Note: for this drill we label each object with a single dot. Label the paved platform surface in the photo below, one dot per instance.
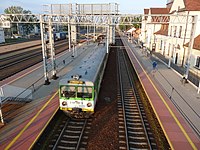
(176, 104)
(13, 47)
(22, 128)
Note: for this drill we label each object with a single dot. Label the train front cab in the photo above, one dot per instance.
(77, 98)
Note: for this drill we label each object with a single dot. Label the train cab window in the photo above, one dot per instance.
(68, 91)
(84, 92)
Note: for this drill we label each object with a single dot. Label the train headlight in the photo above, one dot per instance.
(89, 104)
(64, 103)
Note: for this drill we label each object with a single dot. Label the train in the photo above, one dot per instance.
(79, 88)
(57, 36)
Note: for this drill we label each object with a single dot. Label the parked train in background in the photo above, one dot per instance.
(57, 36)
(60, 35)
(79, 89)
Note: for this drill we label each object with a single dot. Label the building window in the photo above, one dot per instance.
(197, 62)
(175, 28)
(180, 30)
(171, 31)
(161, 42)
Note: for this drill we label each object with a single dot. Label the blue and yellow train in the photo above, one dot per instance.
(78, 90)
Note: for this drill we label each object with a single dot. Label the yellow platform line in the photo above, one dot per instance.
(43, 129)
(169, 109)
(30, 122)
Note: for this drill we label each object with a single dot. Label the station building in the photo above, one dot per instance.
(172, 39)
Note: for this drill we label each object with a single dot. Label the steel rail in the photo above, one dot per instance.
(139, 108)
(122, 99)
(57, 141)
(129, 106)
(19, 60)
(75, 126)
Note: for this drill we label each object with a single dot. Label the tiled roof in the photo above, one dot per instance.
(196, 44)
(192, 5)
(146, 11)
(159, 10)
(163, 30)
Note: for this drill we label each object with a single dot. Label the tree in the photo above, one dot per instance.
(26, 27)
(137, 21)
(14, 10)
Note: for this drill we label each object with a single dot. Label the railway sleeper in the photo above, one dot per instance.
(136, 133)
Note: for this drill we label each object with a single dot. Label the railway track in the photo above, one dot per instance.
(65, 133)
(13, 60)
(134, 130)
(71, 135)
(11, 64)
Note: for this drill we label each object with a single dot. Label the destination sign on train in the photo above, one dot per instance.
(76, 82)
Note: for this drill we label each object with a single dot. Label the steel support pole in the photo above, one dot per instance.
(51, 42)
(69, 34)
(170, 59)
(107, 43)
(44, 53)
(87, 34)
(73, 51)
(191, 42)
(1, 114)
(94, 32)
(113, 34)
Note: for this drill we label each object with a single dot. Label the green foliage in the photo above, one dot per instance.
(65, 27)
(137, 21)
(127, 25)
(26, 27)
(14, 10)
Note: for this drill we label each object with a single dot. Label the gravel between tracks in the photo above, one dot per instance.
(104, 131)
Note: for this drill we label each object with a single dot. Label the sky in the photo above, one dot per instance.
(125, 6)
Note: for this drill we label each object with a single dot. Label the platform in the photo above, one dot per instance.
(23, 127)
(176, 105)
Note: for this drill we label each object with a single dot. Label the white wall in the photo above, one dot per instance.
(2, 37)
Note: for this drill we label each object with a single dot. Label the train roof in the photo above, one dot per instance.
(89, 66)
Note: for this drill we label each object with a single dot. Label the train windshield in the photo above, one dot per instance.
(68, 91)
(76, 91)
(84, 92)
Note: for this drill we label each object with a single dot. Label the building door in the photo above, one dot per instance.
(176, 58)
